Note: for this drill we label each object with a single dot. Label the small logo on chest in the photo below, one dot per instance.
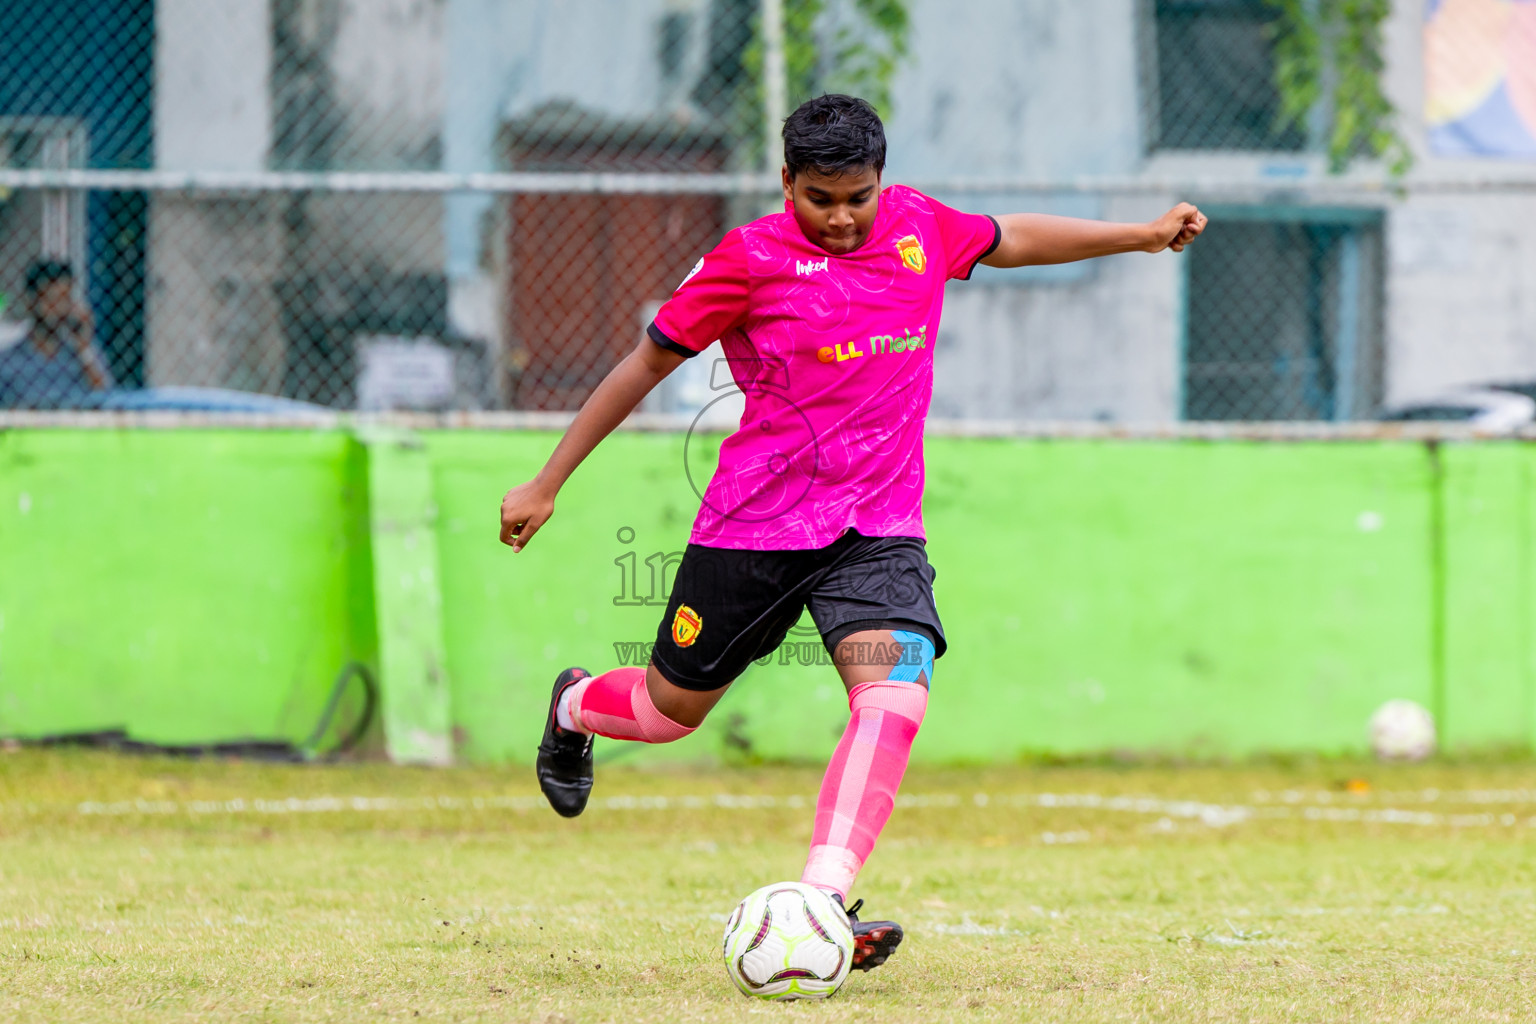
(912, 255)
(805, 268)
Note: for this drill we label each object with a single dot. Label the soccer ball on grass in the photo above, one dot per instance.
(788, 941)
(1402, 731)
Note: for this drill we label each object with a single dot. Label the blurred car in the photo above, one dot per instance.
(190, 399)
(1493, 407)
(185, 399)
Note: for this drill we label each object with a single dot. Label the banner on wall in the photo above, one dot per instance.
(1480, 77)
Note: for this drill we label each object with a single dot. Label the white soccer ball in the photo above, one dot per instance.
(1402, 731)
(788, 941)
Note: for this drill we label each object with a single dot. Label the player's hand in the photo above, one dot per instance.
(523, 511)
(1177, 228)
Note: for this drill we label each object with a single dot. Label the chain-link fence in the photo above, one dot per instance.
(478, 204)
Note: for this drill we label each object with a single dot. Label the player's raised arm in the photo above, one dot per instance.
(528, 506)
(1033, 239)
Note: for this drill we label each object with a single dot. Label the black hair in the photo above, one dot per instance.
(45, 272)
(834, 134)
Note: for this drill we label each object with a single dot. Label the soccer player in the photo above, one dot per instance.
(829, 314)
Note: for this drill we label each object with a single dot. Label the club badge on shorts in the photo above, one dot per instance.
(912, 255)
(687, 624)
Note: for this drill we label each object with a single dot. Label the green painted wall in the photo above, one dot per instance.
(187, 586)
(1202, 598)
(1490, 680)
(1185, 596)
(416, 706)
(1206, 598)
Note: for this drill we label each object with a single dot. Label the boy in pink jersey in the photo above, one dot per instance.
(828, 314)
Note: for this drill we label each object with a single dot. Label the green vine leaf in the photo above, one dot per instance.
(849, 46)
(1328, 66)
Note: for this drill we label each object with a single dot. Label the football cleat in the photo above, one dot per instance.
(565, 758)
(873, 941)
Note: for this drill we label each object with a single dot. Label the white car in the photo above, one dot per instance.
(1486, 408)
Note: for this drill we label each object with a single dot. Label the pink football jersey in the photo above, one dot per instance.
(834, 354)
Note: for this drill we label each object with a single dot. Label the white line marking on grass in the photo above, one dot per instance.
(1053, 838)
(1164, 810)
(1214, 815)
(1430, 795)
(314, 805)
(969, 927)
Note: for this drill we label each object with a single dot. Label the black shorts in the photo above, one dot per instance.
(730, 607)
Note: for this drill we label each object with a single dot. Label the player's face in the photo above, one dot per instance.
(835, 211)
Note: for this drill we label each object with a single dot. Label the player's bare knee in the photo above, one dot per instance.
(684, 707)
(895, 656)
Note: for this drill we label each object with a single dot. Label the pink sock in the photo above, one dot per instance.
(860, 786)
(616, 704)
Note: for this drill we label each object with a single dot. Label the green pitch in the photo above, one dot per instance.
(135, 889)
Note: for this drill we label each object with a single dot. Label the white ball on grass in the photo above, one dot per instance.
(1402, 730)
(788, 940)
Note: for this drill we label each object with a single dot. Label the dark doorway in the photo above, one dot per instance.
(1284, 317)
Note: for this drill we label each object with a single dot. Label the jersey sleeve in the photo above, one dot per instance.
(969, 238)
(711, 300)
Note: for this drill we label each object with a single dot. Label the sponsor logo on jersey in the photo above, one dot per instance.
(879, 345)
(687, 624)
(805, 268)
(696, 268)
(912, 255)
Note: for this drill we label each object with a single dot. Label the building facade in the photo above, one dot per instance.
(1314, 296)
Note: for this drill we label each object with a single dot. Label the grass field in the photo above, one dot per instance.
(156, 890)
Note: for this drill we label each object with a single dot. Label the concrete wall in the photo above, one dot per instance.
(1040, 90)
(1031, 88)
(225, 91)
(1461, 292)
(211, 317)
(213, 109)
(388, 63)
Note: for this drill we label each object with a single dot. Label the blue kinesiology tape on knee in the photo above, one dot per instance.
(917, 659)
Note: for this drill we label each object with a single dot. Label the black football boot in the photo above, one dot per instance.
(873, 941)
(565, 758)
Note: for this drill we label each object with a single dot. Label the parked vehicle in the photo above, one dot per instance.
(1491, 407)
(189, 399)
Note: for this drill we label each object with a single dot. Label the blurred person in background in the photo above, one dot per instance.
(56, 365)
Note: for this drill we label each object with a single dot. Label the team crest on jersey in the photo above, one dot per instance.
(687, 624)
(912, 254)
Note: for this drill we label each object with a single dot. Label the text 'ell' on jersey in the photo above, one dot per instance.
(834, 354)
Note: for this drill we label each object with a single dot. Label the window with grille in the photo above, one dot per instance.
(1284, 317)
(1213, 85)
